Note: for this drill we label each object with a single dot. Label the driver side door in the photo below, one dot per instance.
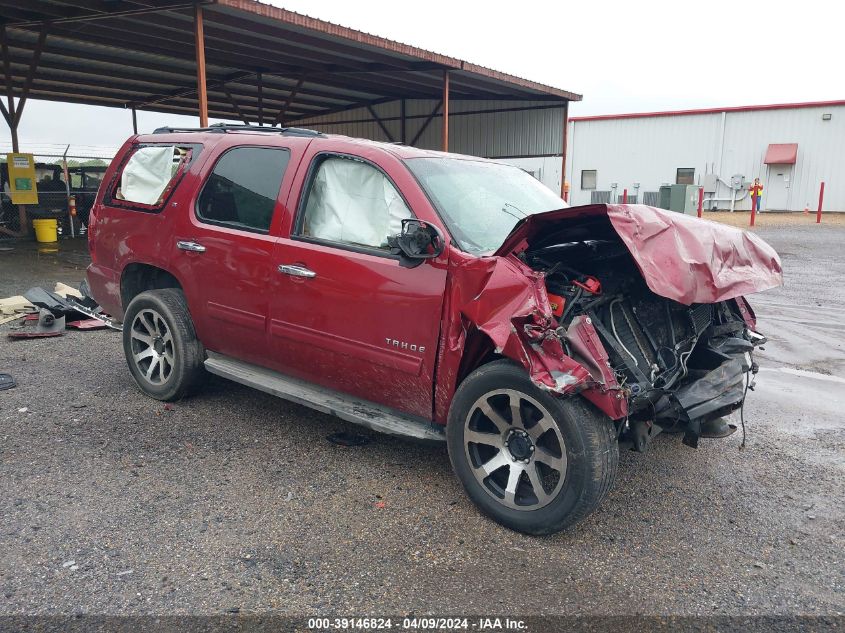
(345, 314)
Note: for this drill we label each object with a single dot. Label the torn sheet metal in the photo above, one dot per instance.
(507, 301)
(84, 306)
(681, 257)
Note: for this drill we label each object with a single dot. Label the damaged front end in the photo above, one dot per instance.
(639, 310)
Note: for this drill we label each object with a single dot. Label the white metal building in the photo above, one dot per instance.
(792, 148)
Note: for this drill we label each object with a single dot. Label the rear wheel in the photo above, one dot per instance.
(161, 345)
(534, 462)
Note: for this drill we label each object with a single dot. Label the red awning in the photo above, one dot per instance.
(781, 154)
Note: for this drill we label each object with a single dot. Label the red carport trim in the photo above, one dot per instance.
(750, 108)
(341, 32)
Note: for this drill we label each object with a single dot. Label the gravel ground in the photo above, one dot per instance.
(112, 503)
(770, 219)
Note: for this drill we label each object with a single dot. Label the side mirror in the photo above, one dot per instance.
(417, 242)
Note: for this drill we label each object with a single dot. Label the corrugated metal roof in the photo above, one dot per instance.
(140, 53)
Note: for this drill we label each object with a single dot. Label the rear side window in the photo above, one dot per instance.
(148, 176)
(242, 189)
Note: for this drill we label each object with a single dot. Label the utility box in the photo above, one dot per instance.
(709, 182)
(664, 195)
(684, 199)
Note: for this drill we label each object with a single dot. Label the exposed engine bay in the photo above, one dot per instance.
(682, 368)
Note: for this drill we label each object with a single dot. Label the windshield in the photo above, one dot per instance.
(481, 201)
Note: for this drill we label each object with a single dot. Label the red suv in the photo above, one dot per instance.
(428, 295)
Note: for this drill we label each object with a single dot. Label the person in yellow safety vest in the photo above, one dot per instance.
(756, 195)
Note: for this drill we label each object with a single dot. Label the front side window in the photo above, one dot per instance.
(481, 201)
(352, 202)
(242, 189)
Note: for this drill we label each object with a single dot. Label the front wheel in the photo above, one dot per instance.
(534, 462)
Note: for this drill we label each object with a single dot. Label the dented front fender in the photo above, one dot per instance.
(507, 301)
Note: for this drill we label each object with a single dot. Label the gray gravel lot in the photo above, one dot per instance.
(235, 500)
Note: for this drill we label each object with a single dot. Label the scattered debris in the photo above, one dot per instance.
(63, 290)
(87, 324)
(7, 382)
(14, 308)
(64, 301)
(11, 317)
(69, 563)
(380, 505)
(23, 409)
(10, 305)
(125, 572)
(47, 324)
(44, 299)
(346, 438)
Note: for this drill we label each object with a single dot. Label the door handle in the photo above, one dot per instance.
(192, 247)
(295, 270)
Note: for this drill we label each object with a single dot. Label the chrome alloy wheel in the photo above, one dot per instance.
(152, 346)
(515, 449)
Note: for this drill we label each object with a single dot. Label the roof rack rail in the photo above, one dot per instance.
(222, 128)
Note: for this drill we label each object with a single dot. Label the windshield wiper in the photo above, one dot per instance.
(513, 206)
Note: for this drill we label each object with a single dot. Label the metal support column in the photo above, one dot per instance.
(445, 127)
(199, 42)
(134, 121)
(402, 132)
(563, 192)
(260, 84)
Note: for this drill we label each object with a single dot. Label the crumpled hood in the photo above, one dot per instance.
(681, 257)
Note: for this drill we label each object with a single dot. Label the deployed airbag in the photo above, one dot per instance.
(352, 201)
(147, 174)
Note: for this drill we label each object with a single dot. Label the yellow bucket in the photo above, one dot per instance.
(46, 230)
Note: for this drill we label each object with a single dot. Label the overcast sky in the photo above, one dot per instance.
(622, 56)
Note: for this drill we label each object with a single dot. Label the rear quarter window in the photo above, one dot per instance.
(148, 175)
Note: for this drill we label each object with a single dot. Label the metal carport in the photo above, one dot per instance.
(235, 59)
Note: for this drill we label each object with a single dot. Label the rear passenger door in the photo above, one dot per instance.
(223, 246)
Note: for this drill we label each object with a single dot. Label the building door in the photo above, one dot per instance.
(776, 190)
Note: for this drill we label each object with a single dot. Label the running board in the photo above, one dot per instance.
(368, 414)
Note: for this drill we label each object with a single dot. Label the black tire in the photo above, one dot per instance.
(162, 317)
(587, 453)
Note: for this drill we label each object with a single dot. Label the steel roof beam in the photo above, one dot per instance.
(59, 18)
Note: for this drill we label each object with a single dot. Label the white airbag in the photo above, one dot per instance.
(147, 174)
(353, 202)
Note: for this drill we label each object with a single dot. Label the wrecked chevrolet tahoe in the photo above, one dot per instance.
(431, 296)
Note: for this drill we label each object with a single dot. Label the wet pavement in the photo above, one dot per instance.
(113, 503)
